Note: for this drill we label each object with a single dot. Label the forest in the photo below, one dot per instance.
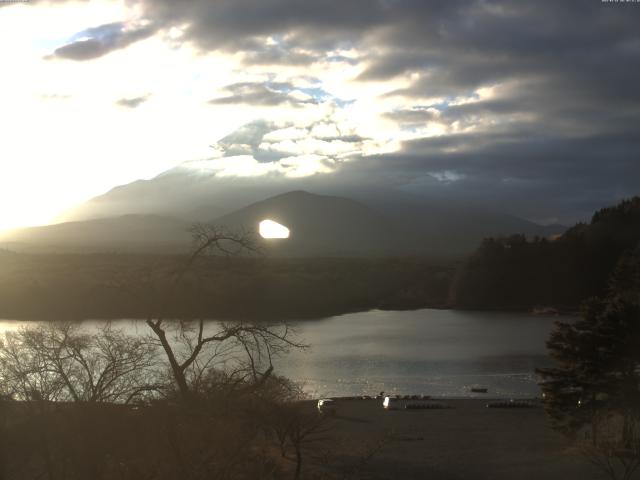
(110, 286)
(521, 274)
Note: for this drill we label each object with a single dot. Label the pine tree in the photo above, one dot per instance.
(598, 359)
(595, 387)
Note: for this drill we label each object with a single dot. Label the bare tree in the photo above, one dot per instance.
(617, 449)
(193, 348)
(244, 351)
(24, 372)
(60, 362)
(305, 429)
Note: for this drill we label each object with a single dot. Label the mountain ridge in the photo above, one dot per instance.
(322, 225)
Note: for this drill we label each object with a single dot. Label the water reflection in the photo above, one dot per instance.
(435, 352)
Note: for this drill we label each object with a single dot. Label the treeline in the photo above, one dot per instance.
(107, 286)
(516, 273)
(592, 392)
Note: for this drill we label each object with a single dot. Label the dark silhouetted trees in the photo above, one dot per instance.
(514, 272)
(73, 286)
(61, 362)
(596, 383)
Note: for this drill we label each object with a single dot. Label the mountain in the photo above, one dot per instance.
(452, 228)
(381, 224)
(202, 190)
(176, 193)
(321, 225)
(132, 233)
(427, 224)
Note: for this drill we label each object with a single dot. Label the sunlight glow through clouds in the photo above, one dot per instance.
(102, 93)
(66, 137)
(65, 140)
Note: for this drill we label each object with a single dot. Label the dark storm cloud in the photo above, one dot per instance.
(234, 25)
(455, 46)
(134, 102)
(98, 41)
(522, 170)
(259, 94)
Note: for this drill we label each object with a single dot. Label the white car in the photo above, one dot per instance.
(327, 405)
(390, 403)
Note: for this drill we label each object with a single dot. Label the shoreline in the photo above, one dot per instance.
(431, 398)
(464, 441)
(296, 318)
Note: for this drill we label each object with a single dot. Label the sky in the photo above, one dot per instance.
(529, 107)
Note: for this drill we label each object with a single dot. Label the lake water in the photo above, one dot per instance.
(436, 352)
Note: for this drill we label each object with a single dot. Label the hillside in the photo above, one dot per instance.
(423, 225)
(321, 226)
(513, 272)
(386, 223)
(131, 233)
(452, 228)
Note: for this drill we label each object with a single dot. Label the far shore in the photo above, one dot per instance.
(292, 316)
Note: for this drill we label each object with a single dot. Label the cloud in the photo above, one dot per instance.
(558, 53)
(269, 142)
(133, 102)
(522, 105)
(524, 171)
(242, 24)
(412, 116)
(98, 41)
(262, 94)
(246, 141)
(279, 55)
(54, 96)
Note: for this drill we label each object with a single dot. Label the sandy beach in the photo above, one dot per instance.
(465, 441)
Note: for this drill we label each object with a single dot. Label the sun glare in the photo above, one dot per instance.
(271, 229)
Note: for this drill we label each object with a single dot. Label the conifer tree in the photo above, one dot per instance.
(595, 387)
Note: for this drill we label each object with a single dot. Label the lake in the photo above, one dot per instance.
(442, 353)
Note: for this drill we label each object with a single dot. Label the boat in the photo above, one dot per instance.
(511, 403)
(541, 310)
(412, 402)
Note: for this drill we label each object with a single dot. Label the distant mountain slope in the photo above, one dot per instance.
(428, 225)
(321, 226)
(140, 233)
(379, 223)
(180, 192)
(452, 228)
